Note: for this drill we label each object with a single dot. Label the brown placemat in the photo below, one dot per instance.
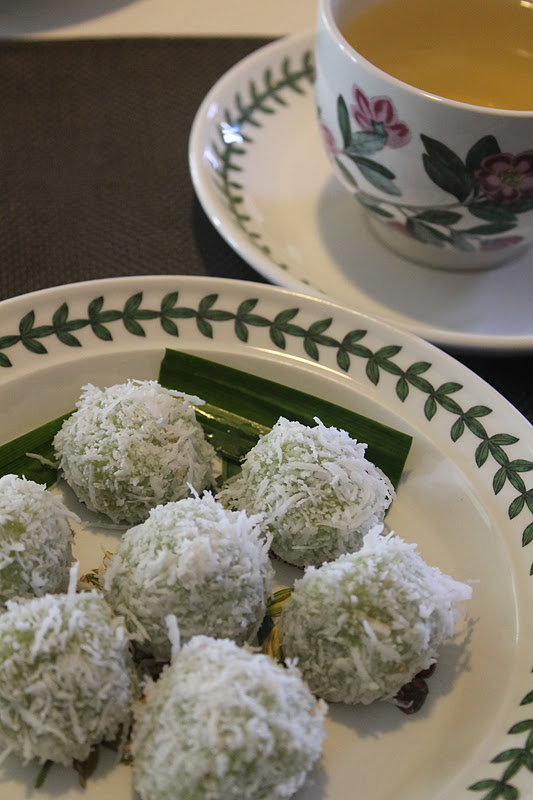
(93, 153)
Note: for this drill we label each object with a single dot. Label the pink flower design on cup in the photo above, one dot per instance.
(505, 177)
(398, 226)
(379, 112)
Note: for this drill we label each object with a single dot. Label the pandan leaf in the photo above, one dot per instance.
(14, 456)
(241, 406)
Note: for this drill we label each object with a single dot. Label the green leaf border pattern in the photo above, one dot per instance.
(491, 449)
(234, 135)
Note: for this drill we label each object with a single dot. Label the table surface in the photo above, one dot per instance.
(75, 18)
(212, 35)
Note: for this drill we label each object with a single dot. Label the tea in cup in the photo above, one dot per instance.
(426, 112)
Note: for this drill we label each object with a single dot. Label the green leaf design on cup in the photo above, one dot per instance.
(484, 147)
(446, 169)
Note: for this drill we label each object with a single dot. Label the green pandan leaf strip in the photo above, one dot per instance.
(248, 405)
(14, 456)
(231, 434)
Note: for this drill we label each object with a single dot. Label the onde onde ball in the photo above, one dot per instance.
(365, 624)
(316, 490)
(131, 446)
(224, 723)
(66, 678)
(193, 558)
(35, 540)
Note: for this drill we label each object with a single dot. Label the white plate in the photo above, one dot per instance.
(463, 498)
(260, 173)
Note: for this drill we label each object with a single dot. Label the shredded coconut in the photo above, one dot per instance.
(198, 561)
(318, 493)
(223, 723)
(66, 678)
(35, 539)
(133, 446)
(365, 624)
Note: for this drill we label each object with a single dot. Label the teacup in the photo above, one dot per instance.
(443, 183)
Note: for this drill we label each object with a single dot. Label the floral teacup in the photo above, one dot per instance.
(444, 183)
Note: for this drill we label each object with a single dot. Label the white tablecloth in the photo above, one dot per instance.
(95, 18)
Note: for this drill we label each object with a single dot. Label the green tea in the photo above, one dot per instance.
(474, 51)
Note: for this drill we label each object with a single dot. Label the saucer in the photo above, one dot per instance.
(261, 174)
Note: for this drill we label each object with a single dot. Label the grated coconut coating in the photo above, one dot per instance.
(318, 493)
(193, 558)
(66, 680)
(223, 723)
(35, 540)
(365, 624)
(131, 446)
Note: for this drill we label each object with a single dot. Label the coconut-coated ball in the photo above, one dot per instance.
(131, 446)
(224, 723)
(365, 624)
(66, 676)
(197, 560)
(317, 491)
(35, 539)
